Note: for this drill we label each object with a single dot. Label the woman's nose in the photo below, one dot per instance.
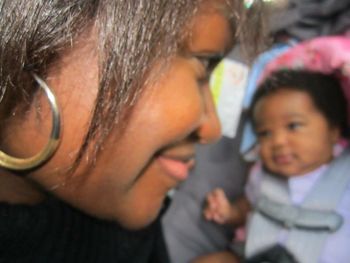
(209, 129)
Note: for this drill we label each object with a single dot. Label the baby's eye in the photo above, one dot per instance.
(262, 134)
(292, 126)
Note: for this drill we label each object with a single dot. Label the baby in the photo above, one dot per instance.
(299, 198)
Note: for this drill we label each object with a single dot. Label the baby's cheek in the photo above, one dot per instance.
(267, 160)
(263, 153)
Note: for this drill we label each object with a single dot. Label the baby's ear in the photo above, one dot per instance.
(335, 134)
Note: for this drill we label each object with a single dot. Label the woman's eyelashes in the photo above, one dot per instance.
(208, 64)
(203, 79)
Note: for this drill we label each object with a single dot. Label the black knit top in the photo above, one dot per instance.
(55, 232)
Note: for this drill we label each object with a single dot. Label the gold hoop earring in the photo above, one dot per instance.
(20, 164)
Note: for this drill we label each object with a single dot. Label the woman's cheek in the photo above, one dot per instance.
(188, 105)
(176, 105)
(186, 116)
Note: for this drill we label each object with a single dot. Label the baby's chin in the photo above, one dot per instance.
(289, 173)
(286, 172)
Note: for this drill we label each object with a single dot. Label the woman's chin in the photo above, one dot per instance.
(139, 217)
(136, 223)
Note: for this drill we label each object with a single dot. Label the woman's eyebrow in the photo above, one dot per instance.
(209, 54)
(209, 60)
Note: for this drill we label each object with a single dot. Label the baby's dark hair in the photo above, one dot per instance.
(324, 90)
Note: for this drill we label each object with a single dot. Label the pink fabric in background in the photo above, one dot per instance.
(329, 55)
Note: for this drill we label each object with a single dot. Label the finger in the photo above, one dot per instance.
(218, 218)
(208, 215)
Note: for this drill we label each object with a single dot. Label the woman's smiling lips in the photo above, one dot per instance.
(177, 167)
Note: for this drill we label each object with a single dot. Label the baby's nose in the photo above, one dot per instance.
(279, 138)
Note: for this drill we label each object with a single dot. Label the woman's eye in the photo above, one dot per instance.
(203, 80)
(210, 62)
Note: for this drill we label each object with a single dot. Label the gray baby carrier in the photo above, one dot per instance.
(307, 225)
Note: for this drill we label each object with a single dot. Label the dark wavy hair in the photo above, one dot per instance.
(131, 34)
(324, 90)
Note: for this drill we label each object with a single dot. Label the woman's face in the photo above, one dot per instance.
(136, 168)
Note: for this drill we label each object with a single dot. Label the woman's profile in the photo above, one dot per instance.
(101, 105)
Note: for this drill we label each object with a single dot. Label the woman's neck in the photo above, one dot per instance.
(19, 190)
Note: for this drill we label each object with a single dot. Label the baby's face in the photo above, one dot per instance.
(295, 138)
